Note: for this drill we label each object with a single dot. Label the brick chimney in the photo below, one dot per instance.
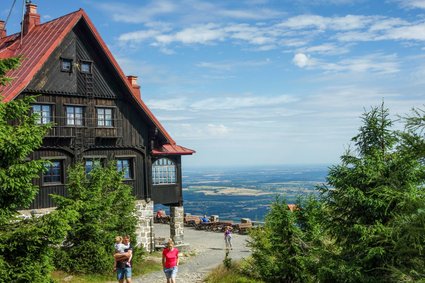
(31, 18)
(2, 29)
(136, 88)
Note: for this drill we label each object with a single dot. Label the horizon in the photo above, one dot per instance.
(261, 81)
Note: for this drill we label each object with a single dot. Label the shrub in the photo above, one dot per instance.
(105, 208)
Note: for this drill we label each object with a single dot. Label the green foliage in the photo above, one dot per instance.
(20, 135)
(25, 245)
(227, 262)
(369, 223)
(374, 207)
(234, 274)
(277, 248)
(106, 208)
(7, 65)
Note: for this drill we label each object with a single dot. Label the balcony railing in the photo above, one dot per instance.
(85, 128)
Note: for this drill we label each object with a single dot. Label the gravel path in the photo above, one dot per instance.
(208, 250)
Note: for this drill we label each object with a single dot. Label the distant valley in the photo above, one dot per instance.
(234, 193)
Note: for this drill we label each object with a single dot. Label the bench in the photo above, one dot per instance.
(242, 228)
(191, 220)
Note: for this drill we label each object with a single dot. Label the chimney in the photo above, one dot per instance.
(2, 29)
(31, 18)
(136, 88)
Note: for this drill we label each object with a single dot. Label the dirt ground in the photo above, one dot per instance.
(206, 251)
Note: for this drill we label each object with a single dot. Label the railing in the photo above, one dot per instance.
(85, 128)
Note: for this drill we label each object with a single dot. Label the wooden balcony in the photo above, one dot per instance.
(86, 128)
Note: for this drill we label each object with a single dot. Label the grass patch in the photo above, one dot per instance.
(150, 264)
(221, 274)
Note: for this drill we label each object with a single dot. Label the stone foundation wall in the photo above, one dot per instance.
(177, 224)
(35, 212)
(144, 228)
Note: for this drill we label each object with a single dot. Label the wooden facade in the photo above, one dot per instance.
(92, 82)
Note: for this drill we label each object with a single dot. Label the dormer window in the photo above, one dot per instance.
(66, 65)
(85, 67)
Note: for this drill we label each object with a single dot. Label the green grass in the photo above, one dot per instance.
(233, 275)
(151, 264)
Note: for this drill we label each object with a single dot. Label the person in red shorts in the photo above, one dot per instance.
(170, 261)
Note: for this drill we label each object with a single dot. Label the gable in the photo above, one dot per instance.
(77, 47)
(43, 40)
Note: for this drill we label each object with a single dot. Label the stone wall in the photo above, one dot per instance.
(177, 224)
(144, 228)
(28, 213)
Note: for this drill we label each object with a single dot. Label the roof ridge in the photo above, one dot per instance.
(61, 17)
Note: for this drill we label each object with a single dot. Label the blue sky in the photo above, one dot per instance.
(262, 81)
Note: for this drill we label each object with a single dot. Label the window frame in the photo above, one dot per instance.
(66, 60)
(50, 167)
(161, 173)
(41, 118)
(104, 120)
(94, 163)
(74, 118)
(130, 167)
(89, 64)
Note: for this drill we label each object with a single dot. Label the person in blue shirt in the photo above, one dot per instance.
(205, 219)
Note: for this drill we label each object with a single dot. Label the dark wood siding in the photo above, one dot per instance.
(130, 135)
(43, 199)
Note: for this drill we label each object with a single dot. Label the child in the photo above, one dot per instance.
(120, 251)
(228, 237)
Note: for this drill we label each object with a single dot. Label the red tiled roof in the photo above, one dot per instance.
(37, 46)
(170, 149)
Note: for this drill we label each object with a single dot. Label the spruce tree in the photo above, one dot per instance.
(106, 208)
(26, 246)
(374, 207)
(277, 248)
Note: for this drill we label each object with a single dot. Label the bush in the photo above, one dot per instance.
(106, 208)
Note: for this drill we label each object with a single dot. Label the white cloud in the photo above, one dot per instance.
(412, 4)
(217, 130)
(228, 103)
(172, 104)
(349, 22)
(137, 14)
(413, 32)
(259, 14)
(301, 60)
(231, 65)
(374, 63)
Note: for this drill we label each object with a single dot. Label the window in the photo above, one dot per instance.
(53, 173)
(44, 113)
(74, 115)
(90, 164)
(66, 65)
(125, 166)
(163, 172)
(85, 67)
(104, 117)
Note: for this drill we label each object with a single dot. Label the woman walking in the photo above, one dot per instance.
(228, 237)
(170, 261)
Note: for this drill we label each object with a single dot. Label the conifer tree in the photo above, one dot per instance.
(106, 208)
(374, 207)
(25, 245)
(277, 248)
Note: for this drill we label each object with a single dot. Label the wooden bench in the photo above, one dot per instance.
(191, 220)
(219, 226)
(242, 228)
